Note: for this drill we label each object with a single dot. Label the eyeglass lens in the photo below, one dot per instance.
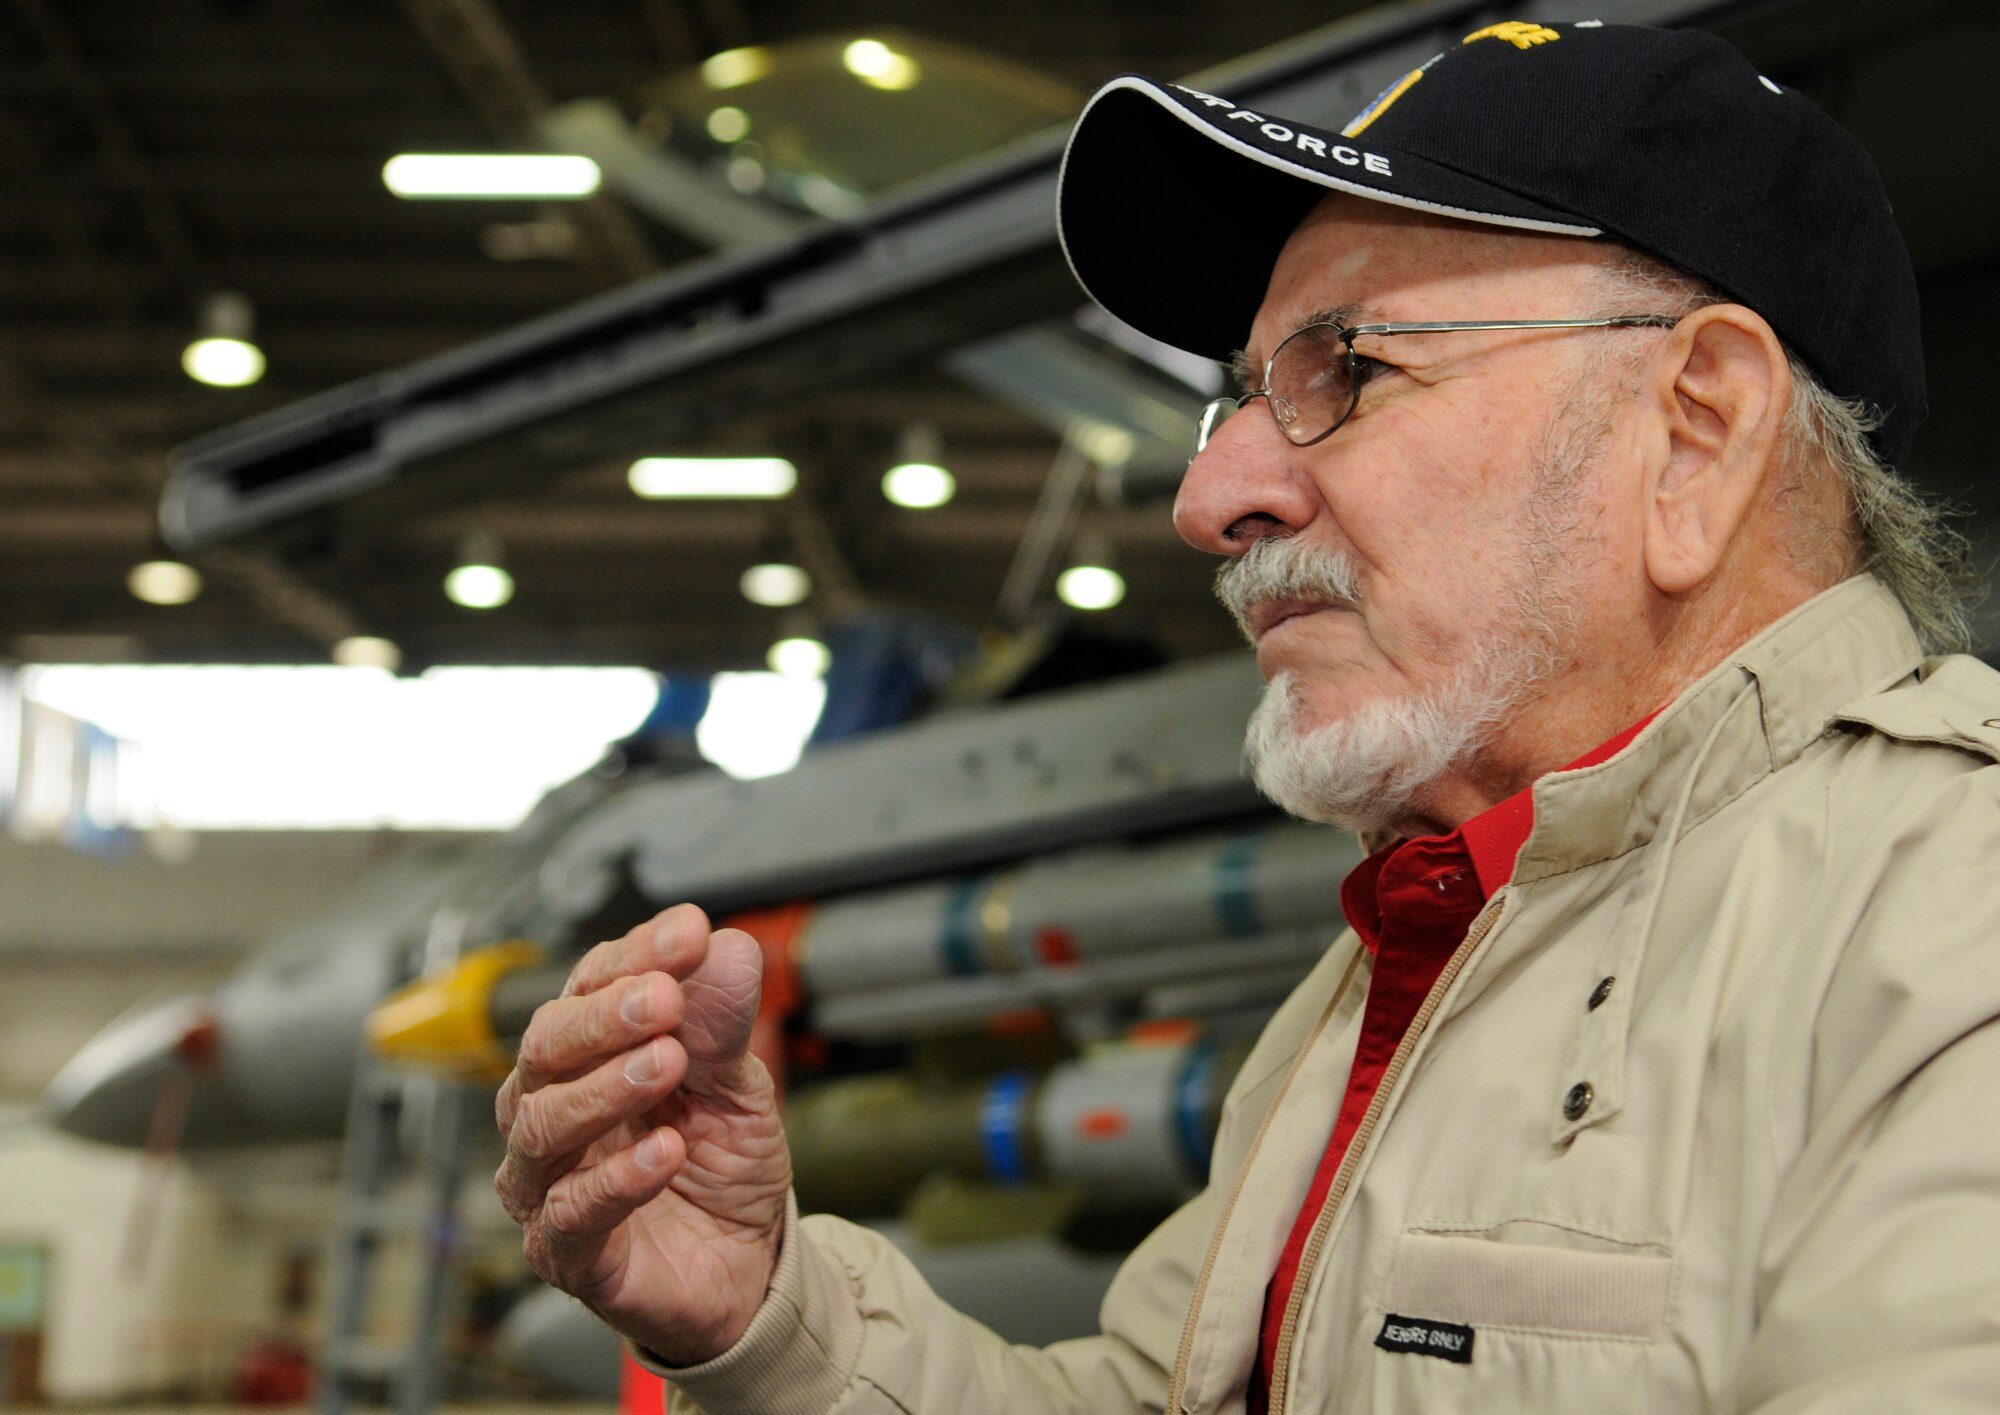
(1311, 388)
(1312, 385)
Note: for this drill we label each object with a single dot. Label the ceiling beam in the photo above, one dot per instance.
(92, 445)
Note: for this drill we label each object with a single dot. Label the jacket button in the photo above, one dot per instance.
(1578, 1100)
(1599, 993)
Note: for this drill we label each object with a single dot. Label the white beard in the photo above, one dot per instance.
(1377, 764)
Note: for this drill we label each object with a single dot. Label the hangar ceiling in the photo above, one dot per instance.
(161, 150)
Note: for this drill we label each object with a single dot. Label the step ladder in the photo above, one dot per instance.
(399, 1126)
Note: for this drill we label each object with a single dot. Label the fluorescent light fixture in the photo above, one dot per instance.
(479, 586)
(223, 363)
(223, 354)
(164, 582)
(879, 66)
(218, 748)
(776, 586)
(921, 486)
(729, 124)
(473, 175)
(757, 723)
(1090, 587)
(800, 658)
(765, 477)
(367, 651)
(733, 68)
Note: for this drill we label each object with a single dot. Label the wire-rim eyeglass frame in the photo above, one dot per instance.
(1288, 416)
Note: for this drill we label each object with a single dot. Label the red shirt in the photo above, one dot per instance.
(1411, 903)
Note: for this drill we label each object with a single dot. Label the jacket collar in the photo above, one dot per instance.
(1780, 691)
(1755, 712)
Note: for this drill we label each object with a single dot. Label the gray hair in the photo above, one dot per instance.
(1906, 539)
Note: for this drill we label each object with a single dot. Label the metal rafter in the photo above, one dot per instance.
(109, 469)
(486, 62)
(109, 465)
(116, 145)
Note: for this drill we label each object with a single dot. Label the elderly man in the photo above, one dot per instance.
(1657, 1072)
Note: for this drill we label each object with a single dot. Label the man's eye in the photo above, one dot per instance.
(1366, 368)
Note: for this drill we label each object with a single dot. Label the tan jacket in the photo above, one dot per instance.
(1763, 1173)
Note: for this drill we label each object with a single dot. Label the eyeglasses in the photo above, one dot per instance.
(1313, 379)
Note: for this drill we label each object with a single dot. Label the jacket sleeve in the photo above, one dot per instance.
(850, 1327)
(1879, 1277)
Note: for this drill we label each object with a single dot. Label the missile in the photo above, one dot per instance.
(942, 956)
(1094, 904)
(1127, 1126)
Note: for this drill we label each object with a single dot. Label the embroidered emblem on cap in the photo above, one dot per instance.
(1418, 1336)
(1522, 34)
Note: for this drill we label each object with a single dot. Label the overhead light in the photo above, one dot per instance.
(1090, 587)
(478, 582)
(222, 354)
(766, 477)
(800, 657)
(475, 175)
(164, 582)
(879, 66)
(479, 586)
(776, 585)
(367, 651)
(919, 479)
(733, 68)
(1090, 583)
(729, 124)
(920, 486)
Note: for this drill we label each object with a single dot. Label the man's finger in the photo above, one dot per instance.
(557, 1124)
(570, 1035)
(672, 942)
(589, 1202)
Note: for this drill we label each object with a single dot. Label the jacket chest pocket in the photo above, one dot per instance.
(1468, 1322)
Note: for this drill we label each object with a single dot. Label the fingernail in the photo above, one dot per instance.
(651, 1153)
(636, 1006)
(644, 1064)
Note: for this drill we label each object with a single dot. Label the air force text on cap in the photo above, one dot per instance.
(1278, 132)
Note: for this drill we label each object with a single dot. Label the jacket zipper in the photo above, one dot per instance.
(1281, 1369)
(1178, 1389)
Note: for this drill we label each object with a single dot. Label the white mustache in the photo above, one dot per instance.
(1284, 567)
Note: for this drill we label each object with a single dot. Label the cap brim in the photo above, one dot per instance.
(1173, 205)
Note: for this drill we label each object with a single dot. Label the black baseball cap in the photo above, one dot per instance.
(1175, 203)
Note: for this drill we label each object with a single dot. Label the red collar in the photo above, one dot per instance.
(1467, 866)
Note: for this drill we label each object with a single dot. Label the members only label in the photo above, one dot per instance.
(1419, 1337)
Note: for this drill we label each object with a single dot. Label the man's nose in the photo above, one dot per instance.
(1248, 483)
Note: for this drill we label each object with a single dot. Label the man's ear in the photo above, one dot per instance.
(1721, 383)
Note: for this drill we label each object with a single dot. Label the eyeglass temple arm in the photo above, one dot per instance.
(1650, 321)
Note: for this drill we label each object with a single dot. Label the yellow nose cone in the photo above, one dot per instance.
(444, 1023)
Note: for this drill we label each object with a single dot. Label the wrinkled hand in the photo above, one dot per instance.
(645, 1160)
